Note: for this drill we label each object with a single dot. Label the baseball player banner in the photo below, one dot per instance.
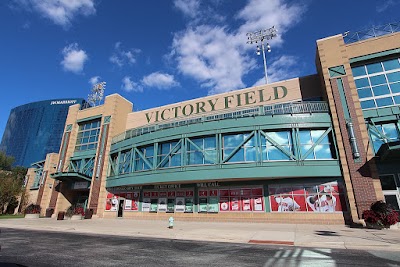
(324, 197)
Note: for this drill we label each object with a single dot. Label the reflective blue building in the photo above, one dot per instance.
(35, 129)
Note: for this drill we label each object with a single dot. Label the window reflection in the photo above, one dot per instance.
(384, 133)
(88, 135)
(384, 80)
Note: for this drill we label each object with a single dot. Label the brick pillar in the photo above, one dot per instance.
(41, 187)
(54, 195)
(362, 172)
(40, 194)
(98, 170)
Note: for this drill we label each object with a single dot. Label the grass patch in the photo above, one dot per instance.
(11, 216)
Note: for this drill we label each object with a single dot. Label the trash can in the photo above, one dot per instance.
(49, 212)
(89, 214)
(60, 215)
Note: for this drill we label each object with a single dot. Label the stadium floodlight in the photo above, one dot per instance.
(97, 94)
(261, 36)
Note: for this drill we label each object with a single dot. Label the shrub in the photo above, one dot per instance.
(32, 209)
(75, 210)
(381, 214)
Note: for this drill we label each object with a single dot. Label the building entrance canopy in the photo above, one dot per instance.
(70, 177)
(389, 151)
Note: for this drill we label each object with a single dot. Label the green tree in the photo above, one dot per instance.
(11, 183)
(11, 186)
(5, 162)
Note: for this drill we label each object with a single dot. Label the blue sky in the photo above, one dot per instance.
(157, 52)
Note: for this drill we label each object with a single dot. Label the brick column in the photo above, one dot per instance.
(361, 170)
(98, 170)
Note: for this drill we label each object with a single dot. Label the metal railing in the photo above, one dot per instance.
(270, 110)
(375, 31)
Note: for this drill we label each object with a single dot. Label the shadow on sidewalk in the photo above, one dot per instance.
(327, 233)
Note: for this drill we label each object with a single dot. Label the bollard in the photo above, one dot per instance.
(171, 222)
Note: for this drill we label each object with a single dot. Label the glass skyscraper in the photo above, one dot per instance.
(35, 129)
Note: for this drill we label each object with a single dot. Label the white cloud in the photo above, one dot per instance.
(217, 57)
(74, 58)
(130, 86)
(159, 80)
(211, 56)
(61, 12)
(121, 57)
(197, 10)
(258, 15)
(188, 7)
(385, 5)
(94, 80)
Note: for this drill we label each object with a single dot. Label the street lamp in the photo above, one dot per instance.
(260, 36)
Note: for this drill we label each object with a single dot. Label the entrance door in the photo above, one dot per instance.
(120, 207)
(390, 184)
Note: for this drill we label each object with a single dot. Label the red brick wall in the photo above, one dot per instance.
(96, 182)
(362, 172)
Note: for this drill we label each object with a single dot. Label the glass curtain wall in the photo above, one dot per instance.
(378, 83)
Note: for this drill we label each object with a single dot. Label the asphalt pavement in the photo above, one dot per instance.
(299, 235)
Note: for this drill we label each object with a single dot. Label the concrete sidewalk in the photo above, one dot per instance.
(321, 236)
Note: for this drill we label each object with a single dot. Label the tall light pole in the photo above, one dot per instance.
(97, 93)
(261, 36)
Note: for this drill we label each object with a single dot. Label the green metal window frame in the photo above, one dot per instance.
(84, 166)
(208, 154)
(376, 96)
(88, 135)
(38, 179)
(377, 133)
(126, 160)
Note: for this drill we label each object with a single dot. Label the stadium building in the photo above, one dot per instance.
(314, 149)
(35, 129)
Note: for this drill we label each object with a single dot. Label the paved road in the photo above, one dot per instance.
(39, 248)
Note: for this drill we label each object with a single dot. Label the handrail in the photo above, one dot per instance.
(375, 31)
(268, 110)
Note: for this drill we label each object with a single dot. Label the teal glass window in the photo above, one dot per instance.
(391, 131)
(395, 87)
(359, 71)
(377, 141)
(148, 154)
(246, 152)
(363, 82)
(388, 132)
(125, 162)
(384, 102)
(396, 99)
(393, 77)
(384, 80)
(113, 161)
(169, 154)
(202, 151)
(391, 64)
(367, 104)
(374, 68)
(283, 141)
(84, 166)
(378, 79)
(38, 176)
(381, 90)
(365, 92)
(88, 135)
(308, 138)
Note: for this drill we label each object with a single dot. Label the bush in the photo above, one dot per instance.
(75, 210)
(32, 209)
(381, 214)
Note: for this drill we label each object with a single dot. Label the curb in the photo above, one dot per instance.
(271, 242)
